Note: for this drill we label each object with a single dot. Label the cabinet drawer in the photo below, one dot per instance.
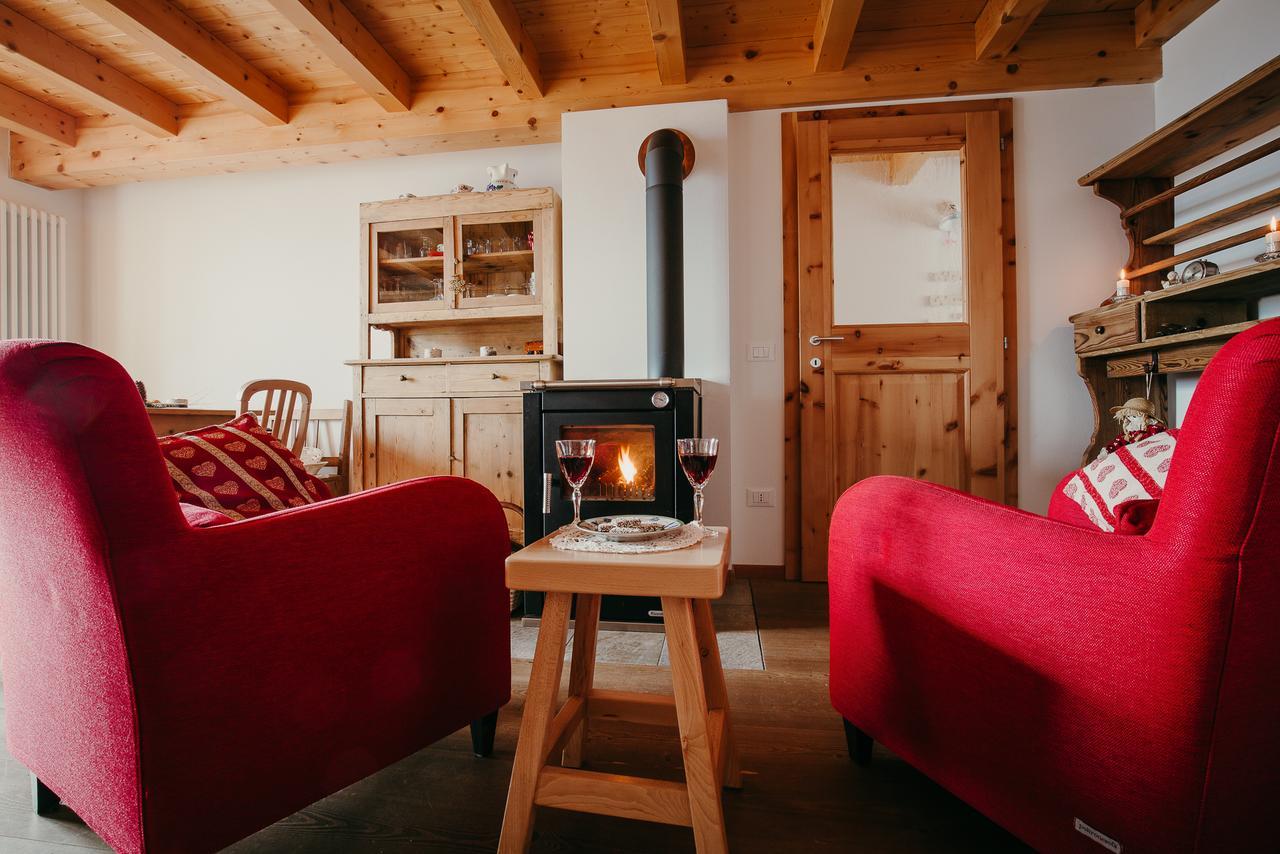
(406, 381)
(499, 376)
(1109, 327)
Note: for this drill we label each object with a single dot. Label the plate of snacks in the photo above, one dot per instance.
(631, 527)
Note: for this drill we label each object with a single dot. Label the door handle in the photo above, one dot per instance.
(815, 340)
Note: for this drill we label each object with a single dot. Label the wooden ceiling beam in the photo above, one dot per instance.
(471, 110)
(1001, 23)
(30, 46)
(498, 24)
(1157, 21)
(667, 29)
(163, 28)
(344, 40)
(24, 115)
(837, 20)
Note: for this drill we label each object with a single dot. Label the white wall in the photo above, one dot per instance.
(1218, 48)
(605, 329)
(199, 284)
(65, 203)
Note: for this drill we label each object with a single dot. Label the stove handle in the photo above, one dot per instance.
(546, 494)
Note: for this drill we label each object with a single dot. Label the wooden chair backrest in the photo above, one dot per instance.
(286, 396)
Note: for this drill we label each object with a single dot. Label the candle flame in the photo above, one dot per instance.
(626, 467)
(1273, 223)
(1124, 274)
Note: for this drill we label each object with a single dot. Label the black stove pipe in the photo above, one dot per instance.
(664, 261)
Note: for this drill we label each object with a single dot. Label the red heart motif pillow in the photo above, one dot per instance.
(238, 469)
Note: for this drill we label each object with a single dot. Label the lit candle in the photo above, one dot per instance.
(1122, 286)
(1273, 238)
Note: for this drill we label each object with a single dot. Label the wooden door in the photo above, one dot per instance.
(487, 444)
(901, 308)
(405, 438)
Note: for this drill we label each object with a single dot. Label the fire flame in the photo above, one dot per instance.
(626, 467)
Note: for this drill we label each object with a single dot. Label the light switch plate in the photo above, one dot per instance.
(759, 497)
(760, 353)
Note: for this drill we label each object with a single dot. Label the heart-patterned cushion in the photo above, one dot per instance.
(1121, 491)
(238, 469)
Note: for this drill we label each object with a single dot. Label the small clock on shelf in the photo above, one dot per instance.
(1193, 272)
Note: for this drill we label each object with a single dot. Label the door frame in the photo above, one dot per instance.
(793, 382)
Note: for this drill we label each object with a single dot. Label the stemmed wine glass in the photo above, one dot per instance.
(698, 459)
(576, 457)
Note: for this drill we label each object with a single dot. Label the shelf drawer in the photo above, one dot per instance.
(1108, 327)
(499, 376)
(406, 381)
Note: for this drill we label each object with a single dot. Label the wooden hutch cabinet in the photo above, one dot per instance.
(442, 277)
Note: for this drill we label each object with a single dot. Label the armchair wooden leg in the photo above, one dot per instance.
(859, 744)
(483, 731)
(43, 800)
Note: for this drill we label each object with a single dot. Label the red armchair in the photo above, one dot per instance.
(1048, 674)
(180, 688)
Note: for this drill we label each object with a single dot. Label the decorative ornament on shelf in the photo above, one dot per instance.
(1273, 245)
(501, 177)
(1137, 420)
(462, 188)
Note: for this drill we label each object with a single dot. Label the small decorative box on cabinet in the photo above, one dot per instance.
(446, 279)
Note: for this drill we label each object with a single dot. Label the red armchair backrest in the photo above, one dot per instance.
(81, 481)
(1218, 486)
(1221, 514)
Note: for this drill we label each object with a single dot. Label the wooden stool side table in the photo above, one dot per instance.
(686, 581)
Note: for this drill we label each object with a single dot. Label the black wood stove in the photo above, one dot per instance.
(635, 424)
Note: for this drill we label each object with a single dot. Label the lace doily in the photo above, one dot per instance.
(573, 540)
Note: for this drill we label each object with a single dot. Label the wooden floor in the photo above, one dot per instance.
(800, 792)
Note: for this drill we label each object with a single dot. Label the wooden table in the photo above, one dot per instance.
(686, 580)
(167, 420)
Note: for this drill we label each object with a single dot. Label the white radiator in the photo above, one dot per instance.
(33, 273)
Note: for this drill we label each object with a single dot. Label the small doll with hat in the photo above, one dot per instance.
(1137, 420)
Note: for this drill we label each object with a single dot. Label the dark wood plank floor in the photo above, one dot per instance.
(801, 793)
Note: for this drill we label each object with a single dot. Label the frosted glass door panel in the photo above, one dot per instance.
(897, 238)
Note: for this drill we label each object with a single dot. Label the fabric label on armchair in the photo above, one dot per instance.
(1099, 837)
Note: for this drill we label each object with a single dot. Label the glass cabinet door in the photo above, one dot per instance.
(412, 265)
(497, 255)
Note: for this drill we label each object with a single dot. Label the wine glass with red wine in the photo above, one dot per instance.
(576, 457)
(698, 459)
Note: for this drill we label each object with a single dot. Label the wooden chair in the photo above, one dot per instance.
(339, 482)
(286, 395)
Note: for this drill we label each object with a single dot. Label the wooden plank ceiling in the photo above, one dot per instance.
(101, 92)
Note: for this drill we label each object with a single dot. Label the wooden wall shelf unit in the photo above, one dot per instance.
(1117, 345)
(495, 282)
(1141, 180)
